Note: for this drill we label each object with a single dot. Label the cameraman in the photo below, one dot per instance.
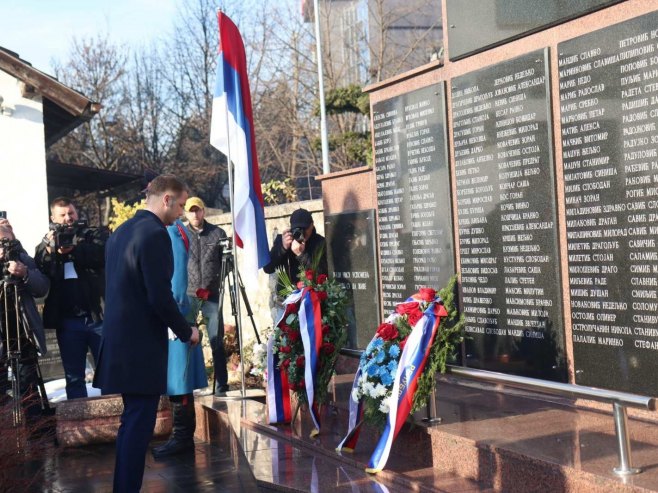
(296, 248)
(20, 271)
(74, 306)
(203, 271)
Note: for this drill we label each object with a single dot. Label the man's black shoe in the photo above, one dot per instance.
(221, 390)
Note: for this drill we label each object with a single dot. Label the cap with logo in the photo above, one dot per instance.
(194, 202)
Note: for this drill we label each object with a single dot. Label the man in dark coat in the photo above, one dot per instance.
(139, 308)
(297, 247)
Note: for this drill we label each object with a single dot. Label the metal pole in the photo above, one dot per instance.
(238, 314)
(623, 441)
(432, 419)
(323, 111)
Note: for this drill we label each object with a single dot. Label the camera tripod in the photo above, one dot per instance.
(227, 276)
(17, 337)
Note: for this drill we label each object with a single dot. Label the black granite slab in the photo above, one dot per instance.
(413, 193)
(507, 218)
(477, 25)
(608, 112)
(352, 256)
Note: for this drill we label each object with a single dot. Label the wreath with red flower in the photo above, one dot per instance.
(287, 336)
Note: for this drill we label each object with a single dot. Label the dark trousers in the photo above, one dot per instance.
(212, 311)
(74, 337)
(135, 433)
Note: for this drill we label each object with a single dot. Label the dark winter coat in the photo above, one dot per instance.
(88, 258)
(291, 263)
(204, 264)
(139, 308)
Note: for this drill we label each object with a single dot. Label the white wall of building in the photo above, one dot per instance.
(23, 186)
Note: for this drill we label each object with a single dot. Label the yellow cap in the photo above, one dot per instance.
(194, 202)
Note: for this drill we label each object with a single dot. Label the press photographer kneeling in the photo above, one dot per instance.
(21, 328)
(72, 256)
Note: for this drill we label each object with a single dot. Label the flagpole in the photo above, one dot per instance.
(236, 281)
(323, 112)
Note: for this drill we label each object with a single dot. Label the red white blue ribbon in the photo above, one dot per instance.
(410, 367)
(278, 393)
(310, 327)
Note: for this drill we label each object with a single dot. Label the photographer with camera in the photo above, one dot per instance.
(20, 279)
(72, 256)
(296, 247)
(207, 243)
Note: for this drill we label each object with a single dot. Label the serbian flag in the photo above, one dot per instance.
(232, 133)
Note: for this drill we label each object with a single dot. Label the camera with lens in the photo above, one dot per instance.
(298, 235)
(10, 250)
(67, 235)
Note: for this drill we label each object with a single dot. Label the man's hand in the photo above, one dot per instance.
(194, 338)
(50, 240)
(297, 247)
(287, 239)
(17, 269)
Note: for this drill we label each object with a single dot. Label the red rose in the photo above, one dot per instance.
(322, 278)
(293, 335)
(285, 328)
(402, 343)
(285, 364)
(300, 361)
(325, 329)
(322, 295)
(414, 317)
(427, 294)
(387, 331)
(328, 348)
(406, 308)
(203, 294)
(300, 285)
(284, 349)
(292, 308)
(310, 274)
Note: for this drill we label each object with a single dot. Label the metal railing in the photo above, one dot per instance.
(619, 400)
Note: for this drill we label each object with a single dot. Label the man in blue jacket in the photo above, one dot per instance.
(139, 306)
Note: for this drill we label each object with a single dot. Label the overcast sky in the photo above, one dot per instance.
(42, 30)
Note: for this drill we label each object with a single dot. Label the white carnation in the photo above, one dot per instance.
(356, 395)
(379, 391)
(384, 407)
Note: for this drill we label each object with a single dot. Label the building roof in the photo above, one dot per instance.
(87, 179)
(63, 107)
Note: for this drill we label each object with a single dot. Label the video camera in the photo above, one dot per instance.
(67, 235)
(9, 251)
(226, 245)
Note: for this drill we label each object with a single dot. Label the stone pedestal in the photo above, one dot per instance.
(96, 420)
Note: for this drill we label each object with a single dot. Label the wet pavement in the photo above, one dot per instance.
(90, 469)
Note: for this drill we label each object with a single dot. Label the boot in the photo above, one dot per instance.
(182, 435)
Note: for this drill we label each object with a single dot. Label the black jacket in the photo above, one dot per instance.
(291, 263)
(36, 286)
(88, 257)
(205, 260)
(140, 306)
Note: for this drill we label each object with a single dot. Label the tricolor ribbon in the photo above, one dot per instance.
(410, 367)
(310, 327)
(278, 392)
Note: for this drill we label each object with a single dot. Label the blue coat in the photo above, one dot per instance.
(139, 306)
(186, 370)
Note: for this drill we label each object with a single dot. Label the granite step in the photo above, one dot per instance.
(490, 439)
(284, 458)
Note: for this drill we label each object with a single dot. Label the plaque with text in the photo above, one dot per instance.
(413, 193)
(352, 257)
(477, 25)
(507, 219)
(609, 124)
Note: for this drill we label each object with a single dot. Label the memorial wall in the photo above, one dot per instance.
(413, 193)
(557, 252)
(506, 217)
(608, 82)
